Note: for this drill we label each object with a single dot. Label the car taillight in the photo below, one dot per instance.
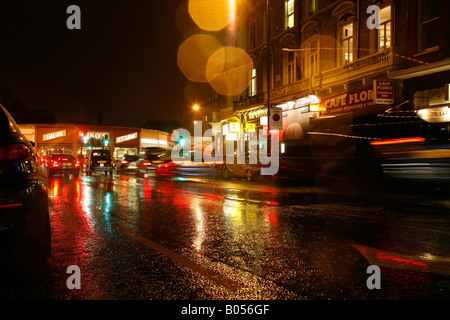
(14, 151)
(124, 162)
(77, 163)
(397, 141)
(55, 164)
(146, 163)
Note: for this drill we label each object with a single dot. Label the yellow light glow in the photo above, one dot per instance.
(228, 71)
(212, 15)
(193, 55)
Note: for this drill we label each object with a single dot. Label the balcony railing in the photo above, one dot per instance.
(291, 88)
(354, 69)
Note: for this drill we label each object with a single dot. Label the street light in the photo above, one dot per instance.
(195, 107)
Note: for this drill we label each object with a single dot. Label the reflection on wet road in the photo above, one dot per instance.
(136, 238)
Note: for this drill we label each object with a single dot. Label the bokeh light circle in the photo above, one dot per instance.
(212, 15)
(193, 55)
(228, 71)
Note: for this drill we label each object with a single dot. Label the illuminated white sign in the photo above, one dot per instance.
(225, 129)
(96, 135)
(127, 137)
(54, 135)
(234, 126)
(441, 114)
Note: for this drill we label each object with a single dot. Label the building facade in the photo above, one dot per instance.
(318, 59)
(77, 139)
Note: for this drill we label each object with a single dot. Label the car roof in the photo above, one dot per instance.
(9, 131)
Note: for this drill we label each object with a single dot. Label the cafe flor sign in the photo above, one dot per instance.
(347, 102)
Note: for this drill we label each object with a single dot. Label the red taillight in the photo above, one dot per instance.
(77, 163)
(14, 151)
(55, 164)
(146, 163)
(397, 141)
(11, 205)
(124, 161)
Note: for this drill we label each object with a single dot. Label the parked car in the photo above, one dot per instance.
(99, 161)
(65, 164)
(25, 233)
(128, 164)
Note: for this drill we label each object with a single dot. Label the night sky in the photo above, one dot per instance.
(123, 62)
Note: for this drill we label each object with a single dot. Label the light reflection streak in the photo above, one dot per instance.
(199, 223)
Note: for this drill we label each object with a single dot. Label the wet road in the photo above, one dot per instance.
(175, 239)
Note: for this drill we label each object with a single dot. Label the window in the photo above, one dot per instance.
(347, 43)
(252, 89)
(313, 63)
(384, 33)
(290, 72)
(428, 24)
(312, 6)
(289, 13)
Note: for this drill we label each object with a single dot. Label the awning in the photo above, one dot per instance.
(423, 70)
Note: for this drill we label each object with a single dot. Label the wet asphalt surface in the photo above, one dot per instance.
(136, 238)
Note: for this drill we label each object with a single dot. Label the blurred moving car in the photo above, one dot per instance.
(153, 158)
(99, 161)
(63, 164)
(128, 164)
(24, 215)
(418, 152)
(246, 171)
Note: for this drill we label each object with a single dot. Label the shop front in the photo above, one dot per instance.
(56, 139)
(155, 139)
(126, 142)
(93, 138)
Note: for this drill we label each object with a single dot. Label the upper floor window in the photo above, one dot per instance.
(252, 88)
(384, 39)
(290, 72)
(347, 43)
(428, 24)
(313, 59)
(289, 13)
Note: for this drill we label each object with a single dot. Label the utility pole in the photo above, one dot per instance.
(268, 77)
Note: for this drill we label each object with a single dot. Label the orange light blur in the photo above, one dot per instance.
(397, 141)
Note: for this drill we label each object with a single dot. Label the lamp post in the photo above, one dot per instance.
(268, 77)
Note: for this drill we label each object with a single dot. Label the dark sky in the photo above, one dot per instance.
(122, 62)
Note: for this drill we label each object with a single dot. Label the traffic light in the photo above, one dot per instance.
(105, 141)
(181, 141)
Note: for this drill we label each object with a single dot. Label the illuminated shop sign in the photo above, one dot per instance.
(441, 114)
(54, 135)
(233, 126)
(383, 91)
(127, 137)
(225, 130)
(347, 102)
(96, 135)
